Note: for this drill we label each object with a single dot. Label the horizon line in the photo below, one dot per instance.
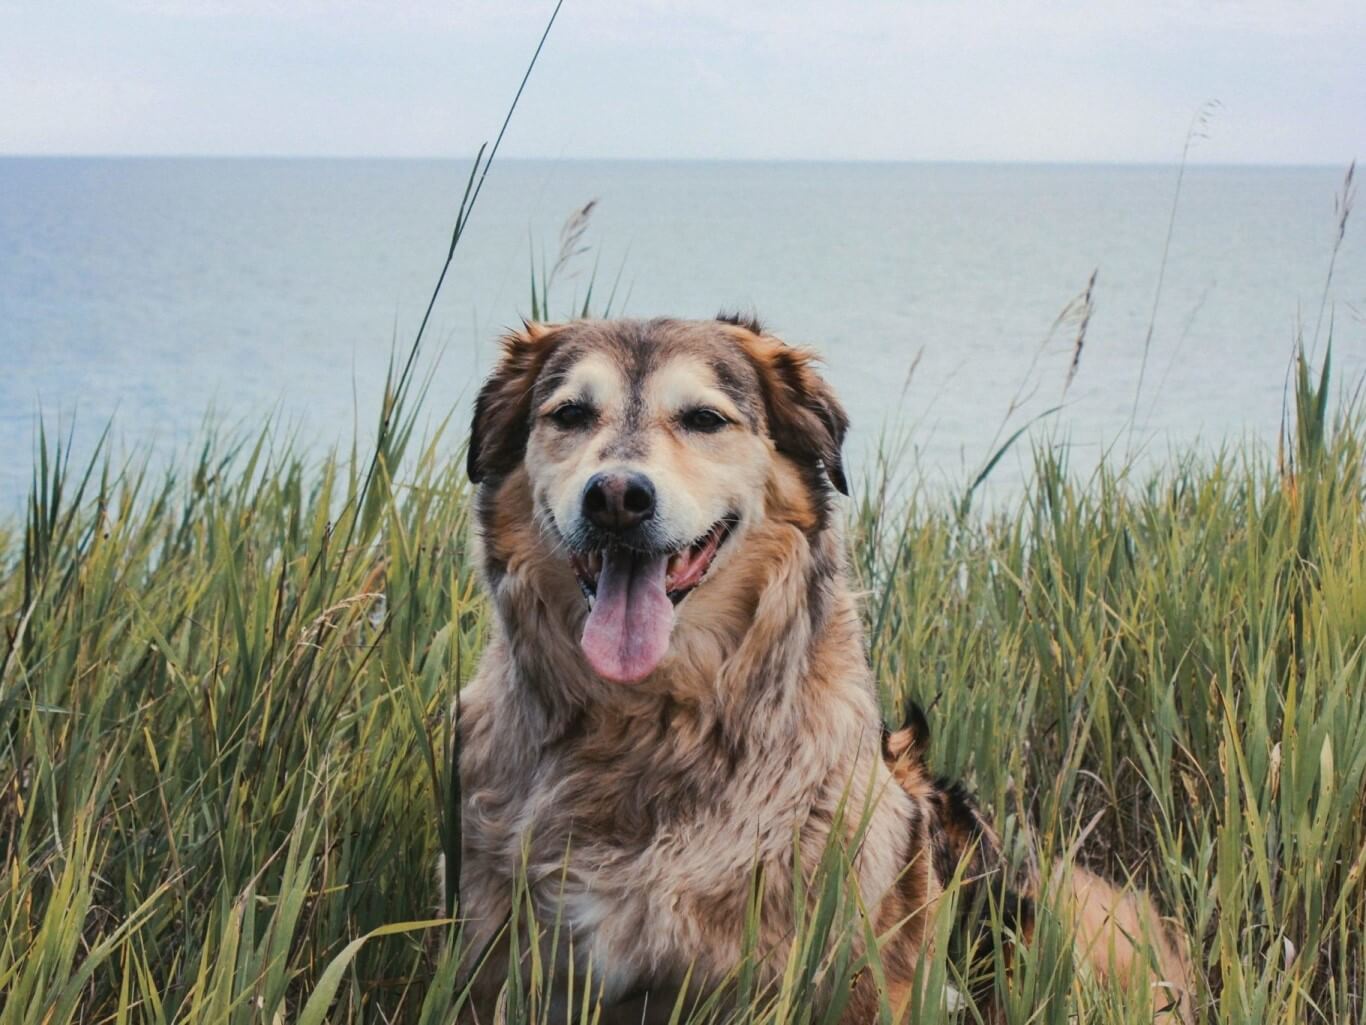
(851, 161)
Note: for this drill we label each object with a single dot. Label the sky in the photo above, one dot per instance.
(1100, 80)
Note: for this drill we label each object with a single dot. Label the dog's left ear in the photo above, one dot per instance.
(502, 413)
(806, 421)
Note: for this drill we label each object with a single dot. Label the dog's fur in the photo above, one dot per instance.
(640, 811)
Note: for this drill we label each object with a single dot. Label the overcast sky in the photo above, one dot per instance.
(1101, 80)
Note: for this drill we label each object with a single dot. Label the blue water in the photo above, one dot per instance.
(148, 292)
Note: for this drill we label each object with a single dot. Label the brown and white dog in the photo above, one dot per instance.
(676, 689)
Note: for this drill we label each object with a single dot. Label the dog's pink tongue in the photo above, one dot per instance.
(627, 632)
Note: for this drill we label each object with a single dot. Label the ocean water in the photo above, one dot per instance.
(146, 293)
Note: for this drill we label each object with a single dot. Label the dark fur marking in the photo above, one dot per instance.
(822, 571)
(486, 504)
(1017, 911)
(667, 709)
(958, 808)
(914, 720)
(735, 377)
(748, 321)
(573, 729)
(730, 748)
(944, 860)
(557, 368)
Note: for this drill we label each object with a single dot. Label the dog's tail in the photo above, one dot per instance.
(1118, 934)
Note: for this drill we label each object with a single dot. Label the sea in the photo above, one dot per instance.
(1129, 312)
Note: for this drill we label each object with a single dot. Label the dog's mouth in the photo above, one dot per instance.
(683, 570)
(631, 597)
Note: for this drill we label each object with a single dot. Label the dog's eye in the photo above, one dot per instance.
(571, 415)
(703, 419)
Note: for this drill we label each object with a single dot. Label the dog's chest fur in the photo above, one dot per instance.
(641, 834)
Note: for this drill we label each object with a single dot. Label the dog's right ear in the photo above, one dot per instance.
(502, 413)
(805, 420)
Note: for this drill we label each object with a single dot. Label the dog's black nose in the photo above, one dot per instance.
(618, 501)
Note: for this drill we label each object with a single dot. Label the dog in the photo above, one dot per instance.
(675, 707)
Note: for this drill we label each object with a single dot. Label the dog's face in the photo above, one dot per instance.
(650, 451)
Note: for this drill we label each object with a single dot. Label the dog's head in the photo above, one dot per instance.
(645, 454)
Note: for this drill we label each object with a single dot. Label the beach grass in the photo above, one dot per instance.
(225, 755)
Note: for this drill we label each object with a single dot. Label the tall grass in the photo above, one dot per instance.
(224, 754)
